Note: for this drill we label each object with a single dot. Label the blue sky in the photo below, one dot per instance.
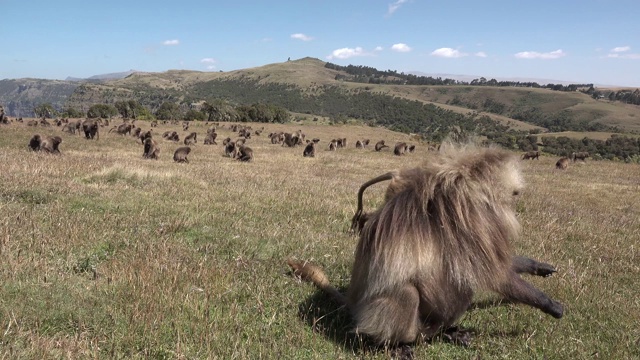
(586, 41)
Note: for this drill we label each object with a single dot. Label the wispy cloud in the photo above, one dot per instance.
(301, 36)
(536, 55)
(209, 62)
(481, 54)
(448, 53)
(393, 7)
(400, 47)
(621, 49)
(346, 53)
(171, 42)
(378, 48)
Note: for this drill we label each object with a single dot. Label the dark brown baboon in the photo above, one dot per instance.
(49, 144)
(309, 150)
(276, 138)
(151, 149)
(91, 129)
(365, 142)
(359, 145)
(211, 139)
(230, 149)
(400, 148)
(411, 148)
(135, 132)
(34, 142)
(563, 163)
(191, 139)
(290, 140)
(580, 156)
(333, 145)
(338, 143)
(145, 135)
(531, 155)
(181, 154)
(443, 233)
(3, 118)
(380, 145)
(245, 153)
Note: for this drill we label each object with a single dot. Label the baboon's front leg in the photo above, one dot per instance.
(521, 264)
(519, 290)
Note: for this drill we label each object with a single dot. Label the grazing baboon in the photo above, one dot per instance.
(359, 145)
(580, 156)
(71, 127)
(244, 153)
(276, 138)
(49, 144)
(411, 148)
(442, 233)
(290, 140)
(380, 145)
(135, 132)
(191, 139)
(531, 155)
(333, 145)
(211, 139)
(44, 122)
(563, 163)
(181, 153)
(34, 142)
(32, 123)
(309, 150)
(151, 149)
(91, 129)
(230, 149)
(171, 136)
(122, 129)
(400, 148)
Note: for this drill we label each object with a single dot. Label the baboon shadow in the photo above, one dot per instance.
(332, 320)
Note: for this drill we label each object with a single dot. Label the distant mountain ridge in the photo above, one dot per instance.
(110, 76)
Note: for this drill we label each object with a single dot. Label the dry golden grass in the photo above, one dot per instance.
(105, 254)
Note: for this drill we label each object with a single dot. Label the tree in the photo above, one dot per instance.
(71, 112)
(45, 110)
(102, 111)
(192, 115)
(168, 111)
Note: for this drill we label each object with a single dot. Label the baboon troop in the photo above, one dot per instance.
(244, 153)
(563, 163)
(380, 145)
(191, 139)
(180, 155)
(531, 155)
(580, 156)
(442, 233)
(400, 148)
(48, 144)
(309, 150)
(151, 149)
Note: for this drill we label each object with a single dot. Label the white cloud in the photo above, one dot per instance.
(346, 53)
(378, 48)
(401, 47)
(448, 53)
(302, 37)
(624, 56)
(621, 49)
(536, 55)
(481, 54)
(395, 6)
(209, 62)
(171, 42)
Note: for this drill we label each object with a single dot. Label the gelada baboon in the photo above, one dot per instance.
(531, 155)
(151, 149)
(191, 139)
(359, 144)
(181, 154)
(211, 139)
(443, 232)
(309, 150)
(400, 148)
(333, 145)
(563, 163)
(380, 145)
(48, 144)
(90, 127)
(580, 156)
(230, 149)
(245, 153)
(411, 148)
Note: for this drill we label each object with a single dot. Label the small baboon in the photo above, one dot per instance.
(531, 155)
(442, 233)
(359, 144)
(244, 153)
(211, 138)
(333, 145)
(580, 156)
(400, 148)
(90, 127)
(380, 145)
(191, 139)
(230, 149)
(181, 153)
(309, 150)
(563, 163)
(151, 149)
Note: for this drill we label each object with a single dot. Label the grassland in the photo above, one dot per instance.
(106, 255)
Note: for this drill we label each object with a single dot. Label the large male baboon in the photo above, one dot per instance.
(91, 129)
(380, 145)
(291, 140)
(309, 150)
(48, 144)
(191, 139)
(442, 233)
(180, 155)
(244, 153)
(400, 148)
(531, 155)
(151, 149)
(562, 163)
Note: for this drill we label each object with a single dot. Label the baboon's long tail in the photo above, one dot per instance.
(312, 273)
(356, 223)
